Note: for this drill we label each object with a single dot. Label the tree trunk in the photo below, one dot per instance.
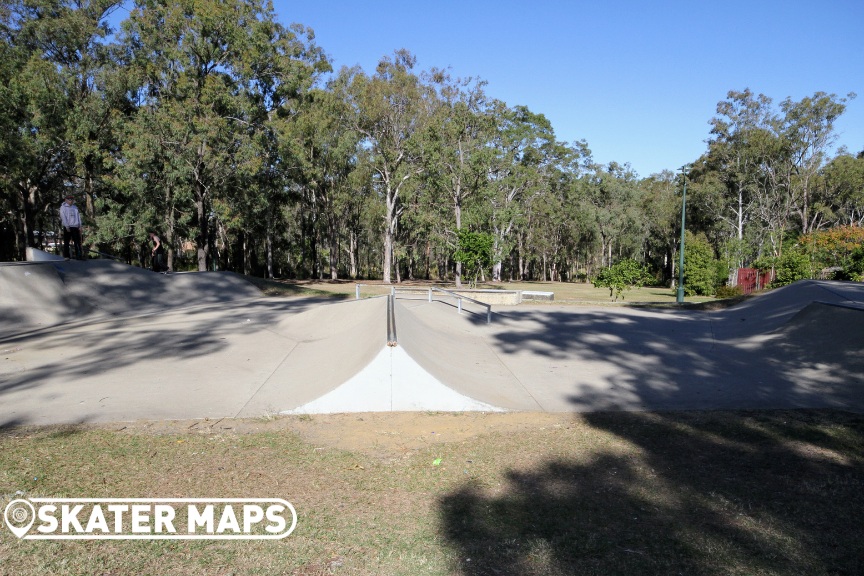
(458, 210)
(389, 235)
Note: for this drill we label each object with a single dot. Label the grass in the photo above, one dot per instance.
(565, 292)
(625, 493)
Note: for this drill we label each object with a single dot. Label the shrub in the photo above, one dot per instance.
(792, 266)
(853, 267)
(622, 276)
(475, 253)
(729, 292)
(700, 266)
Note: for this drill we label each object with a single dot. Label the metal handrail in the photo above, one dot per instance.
(391, 321)
(458, 297)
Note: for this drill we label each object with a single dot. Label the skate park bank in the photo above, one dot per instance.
(100, 341)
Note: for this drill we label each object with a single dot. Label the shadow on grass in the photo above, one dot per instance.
(703, 494)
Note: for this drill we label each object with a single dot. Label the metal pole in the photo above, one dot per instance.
(430, 295)
(357, 291)
(460, 305)
(680, 297)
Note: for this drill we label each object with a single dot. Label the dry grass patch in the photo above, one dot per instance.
(474, 494)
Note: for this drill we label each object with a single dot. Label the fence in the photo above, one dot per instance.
(751, 279)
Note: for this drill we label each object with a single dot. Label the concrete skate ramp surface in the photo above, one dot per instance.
(458, 354)
(763, 353)
(769, 311)
(130, 344)
(33, 296)
(324, 347)
(43, 294)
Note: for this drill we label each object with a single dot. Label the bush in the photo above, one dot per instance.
(792, 266)
(700, 266)
(475, 253)
(724, 292)
(622, 276)
(853, 267)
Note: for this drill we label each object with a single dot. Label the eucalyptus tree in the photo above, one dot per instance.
(324, 145)
(521, 145)
(199, 65)
(611, 195)
(553, 226)
(279, 73)
(392, 107)
(733, 155)
(660, 206)
(808, 130)
(843, 179)
(457, 143)
(55, 51)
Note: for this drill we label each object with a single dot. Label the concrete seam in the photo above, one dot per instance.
(266, 380)
(494, 353)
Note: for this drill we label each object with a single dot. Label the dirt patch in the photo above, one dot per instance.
(383, 435)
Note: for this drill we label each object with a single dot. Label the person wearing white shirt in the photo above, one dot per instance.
(70, 218)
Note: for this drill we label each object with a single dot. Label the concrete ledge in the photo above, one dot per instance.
(535, 295)
(500, 297)
(36, 255)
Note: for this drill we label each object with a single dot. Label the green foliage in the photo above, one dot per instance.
(792, 266)
(622, 276)
(729, 292)
(475, 253)
(853, 266)
(700, 266)
(828, 248)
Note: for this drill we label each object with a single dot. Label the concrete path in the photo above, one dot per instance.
(101, 341)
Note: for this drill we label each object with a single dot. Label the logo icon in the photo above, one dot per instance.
(19, 516)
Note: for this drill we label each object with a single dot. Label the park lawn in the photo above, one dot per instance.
(574, 293)
(777, 493)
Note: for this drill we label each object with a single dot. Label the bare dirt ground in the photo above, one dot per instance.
(382, 435)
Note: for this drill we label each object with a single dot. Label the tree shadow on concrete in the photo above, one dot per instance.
(694, 493)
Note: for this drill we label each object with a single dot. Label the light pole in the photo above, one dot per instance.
(680, 298)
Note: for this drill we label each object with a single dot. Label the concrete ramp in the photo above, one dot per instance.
(767, 312)
(34, 296)
(457, 352)
(322, 348)
(342, 364)
(824, 334)
(125, 344)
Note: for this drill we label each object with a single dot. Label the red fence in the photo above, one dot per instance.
(751, 279)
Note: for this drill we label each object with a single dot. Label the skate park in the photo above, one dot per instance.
(101, 341)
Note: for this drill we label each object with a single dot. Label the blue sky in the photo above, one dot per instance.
(638, 80)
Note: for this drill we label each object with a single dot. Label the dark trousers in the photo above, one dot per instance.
(73, 234)
(158, 264)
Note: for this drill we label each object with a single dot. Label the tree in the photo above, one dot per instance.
(392, 107)
(522, 145)
(700, 266)
(611, 195)
(808, 129)
(843, 179)
(456, 143)
(53, 54)
(199, 68)
(475, 252)
(734, 157)
(621, 277)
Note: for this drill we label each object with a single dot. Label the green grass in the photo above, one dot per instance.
(614, 494)
(565, 292)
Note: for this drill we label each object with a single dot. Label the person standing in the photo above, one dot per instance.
(157, 259)
(70, 218)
